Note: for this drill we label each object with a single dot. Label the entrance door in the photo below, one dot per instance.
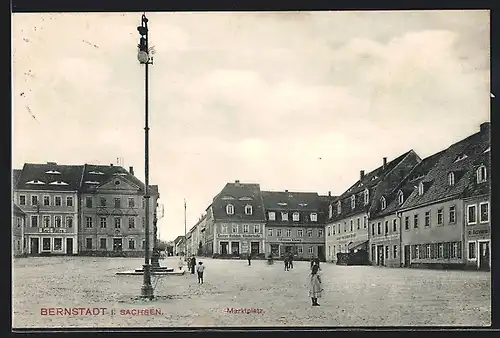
(275, 250)
(223, 248)
(484, 255)
(380, 250)
(35, 246)
(288, 249)
(407, 256)
(373, 257)
(235, 248)
(254, 248)
(69, 246)
(321, 253)
(117, 244)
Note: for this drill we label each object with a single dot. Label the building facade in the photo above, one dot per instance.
(178, 249)
(18, 225)
(347, 224)
(294, 224)
(433, 216)
(48, 195)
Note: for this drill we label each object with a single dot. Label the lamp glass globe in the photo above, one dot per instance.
(143, 57)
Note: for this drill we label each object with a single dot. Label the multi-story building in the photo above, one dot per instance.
(347, 225)
(433, 214)
(477, 199)
(189, 243)
(385, 225)
(295, 224)
(179, 246)
(112, 211)
(48, 194)
(237, 220)
(18, 221)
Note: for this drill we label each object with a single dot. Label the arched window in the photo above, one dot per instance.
(330, 211)
(481, 174)
(451, 178)
(229, 209)
(353, 201)
(383, 203)
(339, 207)
(421, 188)
(401, 197)
(366, 196)
(248, 209)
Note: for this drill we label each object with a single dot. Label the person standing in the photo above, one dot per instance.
(193, 264)
(249, 257)
(181, 263)
(285, 259)
(290, 260)
(315, 287)
(199, 269)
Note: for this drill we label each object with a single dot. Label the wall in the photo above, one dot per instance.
(478, 235)
(338, 242)
(307, 247)
(243, 239)
(385, 243)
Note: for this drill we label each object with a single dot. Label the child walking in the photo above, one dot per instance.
(315, 288)
(199, 269)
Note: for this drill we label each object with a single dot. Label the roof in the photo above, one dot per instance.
(378, 182)
(474, 188)
(49, 176)
(239, 195)
(16, 173)
(178, 239)
(17, 210)
(458, 158)
(291, 201)
(407, 185)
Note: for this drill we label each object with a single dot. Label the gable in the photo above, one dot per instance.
(118, 183)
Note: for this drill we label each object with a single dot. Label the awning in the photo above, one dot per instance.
(355, 245)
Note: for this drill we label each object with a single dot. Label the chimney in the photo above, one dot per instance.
(286, 190)
(361, 174)
(111, 164)
(329, 194)
(131, 170)
(385, 162)
(485, 127)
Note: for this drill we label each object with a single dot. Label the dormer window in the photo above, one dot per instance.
(339, 207)
(383, 203)
(248, 210)
(353, 201)
(401, 197)
(303, 204)
(35, 182)
(481, 174)
(226, 198)
(461, 157)
(245, 199)
(314, 217)
(96, 173)
(284, 216)
(451, 179)
(230, 209)
(121, 174)
(330, 211)
(58, 183)
(374, 178)
(295, 217)
(53, 172)
(281, 204)
(91, 182)
(421, 188)
(366, 196)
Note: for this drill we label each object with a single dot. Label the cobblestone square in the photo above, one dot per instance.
(354, 296)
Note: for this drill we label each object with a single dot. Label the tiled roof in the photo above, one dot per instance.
(17, 210)
(288, 200)
(239, 195)
(473, 187)
(16, 173)
(178, 239)
(378, 182)
(458, 158)
(407, 186)
(50, 177)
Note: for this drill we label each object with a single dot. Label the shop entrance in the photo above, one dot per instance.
(223, 248)
(484, 255)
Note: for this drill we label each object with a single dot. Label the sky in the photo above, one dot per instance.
(291, 100)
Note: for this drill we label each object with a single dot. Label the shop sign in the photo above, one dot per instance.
(239, 236)
(52, 230)
(340, 238)
(290, 240)
(479, 232)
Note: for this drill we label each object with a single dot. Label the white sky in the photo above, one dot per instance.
(297, 101)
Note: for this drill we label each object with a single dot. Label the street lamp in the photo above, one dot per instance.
(146, 60)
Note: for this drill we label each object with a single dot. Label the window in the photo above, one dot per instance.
(484, 212)
(386, 251)
(284, 216)
(320, 232)
(401, 197)
(88, 222)
(417, 251)
(353, 201)
(69, 201)
(224, 228)
(270, 232)
(131, 222)
(309, 233)
(57, 221)
(131, 202)
(300, 233)
(143, 222)
(117, 202)
(481, 174)
(256, 229)
(88, 243)
(333, 229)
(118, 222)
(288, 233)
(300, 250)
(366, 196)
(245, 228)
(373, 229)
(102, 201)
(328, 231)
(421, 188)
(472, 250)
(407, 223)
(395, 251)
(427, 219)
(143, 244)
(272, 216)
(383, 203)
(230, 209)
(395, 225)
(415, 221)
(46, 221)
(58, 244)
(295, 217)
(339, 207)
(57, 201)
(440, 217)
(452, 215)
(454, 250)
(103, 222)
(428, 250)
(34, 221)
(440, 250)
(386, 227)
(451, 178)
(471, 214)
(351, 223)
(88, 202)
(34, 200)
(365, 222)
(143, 203)
(19, 221)
(358, 223)
(234, 229)
(278, 232)
(46, 244)
(46, 200)
(311, 250)
(22, 200)
(131, 244)
(103, 245)
(314, 217)
(248, 210)
(330, 211)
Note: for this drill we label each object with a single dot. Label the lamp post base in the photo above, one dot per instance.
(155, 259)
(147, 289)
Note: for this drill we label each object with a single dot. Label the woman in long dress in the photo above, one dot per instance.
(315, 287)
(181, 263)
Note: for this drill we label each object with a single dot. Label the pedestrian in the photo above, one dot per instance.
(249, 259)
(199, 269)
(286, 263)
(181, 263)
(315, 288)
(290, 261)
(193, 264)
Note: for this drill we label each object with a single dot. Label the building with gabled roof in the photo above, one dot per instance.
(347, 225)
(18, 225)
(433, 213)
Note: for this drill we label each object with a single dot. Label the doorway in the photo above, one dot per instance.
(223, 248)
(235, 248)
(407, 256)
(275, 250)
(484, 256)
(34, 246)
(254, 248)
(380, 252)
(69, 246)
(117, 244)
(321, 253)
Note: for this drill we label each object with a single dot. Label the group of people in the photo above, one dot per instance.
(288, 261)
(191, 263)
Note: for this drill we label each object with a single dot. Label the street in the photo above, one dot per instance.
(268, 295)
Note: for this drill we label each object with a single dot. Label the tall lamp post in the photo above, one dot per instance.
(146, 60)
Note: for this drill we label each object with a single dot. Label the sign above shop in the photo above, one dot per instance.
(349, 236)
(239, 236)
(56, 230)
(288, 240)
(477, 232)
